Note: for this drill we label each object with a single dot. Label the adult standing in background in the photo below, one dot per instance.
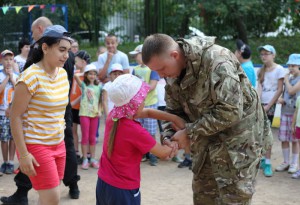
(75, 47)
(243, 54)
(225, 123)
(110, 57)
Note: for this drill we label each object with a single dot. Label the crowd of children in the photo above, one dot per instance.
(277, 86)
(104, 87)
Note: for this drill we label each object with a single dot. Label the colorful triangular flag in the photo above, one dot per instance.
(42, 6)
(5, 9)
(30, 7)
(63, 8)
(53, 8)
(18, 8)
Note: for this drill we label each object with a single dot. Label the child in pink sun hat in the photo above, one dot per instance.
(126, 141)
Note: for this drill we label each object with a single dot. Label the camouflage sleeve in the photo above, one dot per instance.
(174, 107)
(227, 102)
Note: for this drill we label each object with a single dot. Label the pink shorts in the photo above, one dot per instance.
(297, 133)
(52, 160)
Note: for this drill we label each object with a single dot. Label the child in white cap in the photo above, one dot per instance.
(116, 70)
(82, 59)
(288, 101)
(126, 141)
(288, 123)
(89, 112)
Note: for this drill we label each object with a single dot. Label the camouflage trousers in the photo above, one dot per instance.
(220, 183)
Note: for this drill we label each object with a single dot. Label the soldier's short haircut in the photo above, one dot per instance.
(155, 44)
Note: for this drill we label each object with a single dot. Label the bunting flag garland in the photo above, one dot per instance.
(18, 8)
(30, 7)
(63, 8)
(53, 8)
(5, 9)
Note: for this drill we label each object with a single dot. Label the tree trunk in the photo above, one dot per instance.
(184, 27)
(241, 30)
(147, 17)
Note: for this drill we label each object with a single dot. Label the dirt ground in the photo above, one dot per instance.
(166, 184)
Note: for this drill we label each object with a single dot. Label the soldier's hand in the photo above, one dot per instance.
(181, 138)
(171, 144)
(174, 150)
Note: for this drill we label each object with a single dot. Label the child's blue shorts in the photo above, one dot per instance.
(110, 195)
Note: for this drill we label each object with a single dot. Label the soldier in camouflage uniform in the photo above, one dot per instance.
(225, 123)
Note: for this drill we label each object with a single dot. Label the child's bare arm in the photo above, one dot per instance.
(77, 78)
(161, 115)
(104, 102)
(100, 106)
(294, 121)
(164, 151)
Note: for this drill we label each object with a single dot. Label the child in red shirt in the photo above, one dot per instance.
(126, 141)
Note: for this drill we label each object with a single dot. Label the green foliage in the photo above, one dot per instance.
(178, 15)
(240, 18)
(284, 47)
(91, 15)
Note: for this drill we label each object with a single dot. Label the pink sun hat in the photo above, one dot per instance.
(127, 92)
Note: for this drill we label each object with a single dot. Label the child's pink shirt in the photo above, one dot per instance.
(132, 141)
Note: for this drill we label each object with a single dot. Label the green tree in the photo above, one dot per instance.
(169, 16)
(291, 10)
(240, 18)
(178, 16)
(92, 15)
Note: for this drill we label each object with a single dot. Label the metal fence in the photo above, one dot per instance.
(16, 22)
(131, 21)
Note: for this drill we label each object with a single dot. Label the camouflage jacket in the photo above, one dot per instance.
(219, 105)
